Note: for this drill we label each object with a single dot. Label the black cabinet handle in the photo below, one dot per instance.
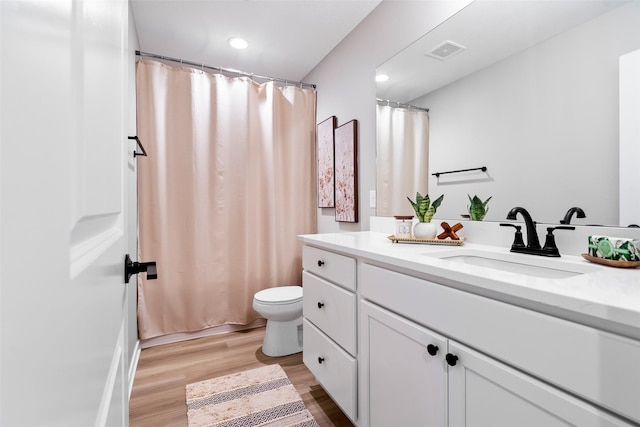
(320, 263)
(432, 349)
(320, 304)
(320, 359)
(452, 359)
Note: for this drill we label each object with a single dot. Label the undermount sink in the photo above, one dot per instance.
(529, 265)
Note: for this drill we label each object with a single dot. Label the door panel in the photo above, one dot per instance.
(484, 392)
(407, 385)
(62, 221)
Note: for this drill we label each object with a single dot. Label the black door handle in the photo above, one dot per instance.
(134, 267)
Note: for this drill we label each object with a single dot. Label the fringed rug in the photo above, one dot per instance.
(258, 397)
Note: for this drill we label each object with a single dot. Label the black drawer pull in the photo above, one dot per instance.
(320, 263)
(320, 304)
(432, 349)
(320, 359)
(452, 359)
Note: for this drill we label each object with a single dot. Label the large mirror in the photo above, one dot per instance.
(531, 93)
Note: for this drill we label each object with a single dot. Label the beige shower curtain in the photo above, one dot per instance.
(402, 158)
(227, 186)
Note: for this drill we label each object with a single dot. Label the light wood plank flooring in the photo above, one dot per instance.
(158, 396)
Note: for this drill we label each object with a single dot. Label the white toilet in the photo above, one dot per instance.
(282, 307)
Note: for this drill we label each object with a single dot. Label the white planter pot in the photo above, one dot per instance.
(424, 230)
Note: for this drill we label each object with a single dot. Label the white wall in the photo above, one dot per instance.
(630, 138)
(347, 90)
(542, 153)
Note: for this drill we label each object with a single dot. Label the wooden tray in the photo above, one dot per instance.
(446, 241)
(611, 263)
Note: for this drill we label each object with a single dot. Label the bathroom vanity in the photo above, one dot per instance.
(422, 335)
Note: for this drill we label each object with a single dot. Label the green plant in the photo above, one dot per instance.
(477, 209)
(424, 208)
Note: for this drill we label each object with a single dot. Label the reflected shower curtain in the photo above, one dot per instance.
(228, 184)
(402, 158)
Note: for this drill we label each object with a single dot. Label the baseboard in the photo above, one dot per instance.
(133, 366)
(184, 336)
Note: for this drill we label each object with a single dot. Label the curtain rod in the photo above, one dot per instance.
(399, 104)
(224, 70)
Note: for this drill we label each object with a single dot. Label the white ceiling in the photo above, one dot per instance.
(287, 38)
(490, 30)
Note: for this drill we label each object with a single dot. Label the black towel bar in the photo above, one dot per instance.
(483, 169)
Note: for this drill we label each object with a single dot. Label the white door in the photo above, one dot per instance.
(406, 373)
(62, 220)
(484, 392)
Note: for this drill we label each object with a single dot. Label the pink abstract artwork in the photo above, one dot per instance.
(346, 172)
(325, 136)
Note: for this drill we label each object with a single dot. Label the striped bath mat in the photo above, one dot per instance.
(257, 397)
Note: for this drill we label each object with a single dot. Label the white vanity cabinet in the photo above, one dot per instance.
(496, 364)
(329, 311)
(416, 377)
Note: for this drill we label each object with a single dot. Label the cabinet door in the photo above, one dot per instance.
(407, 386)
(484, 392)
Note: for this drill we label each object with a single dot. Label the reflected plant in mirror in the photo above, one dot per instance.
(477, 208)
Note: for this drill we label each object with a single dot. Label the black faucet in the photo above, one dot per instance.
(575, 210)
(533, 244)
(532, 235)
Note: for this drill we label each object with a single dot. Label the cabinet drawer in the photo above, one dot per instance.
(339, 269)
(332, 309)
(334, 368)
(594, 364)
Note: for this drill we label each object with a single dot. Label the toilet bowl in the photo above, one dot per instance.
(282, 307)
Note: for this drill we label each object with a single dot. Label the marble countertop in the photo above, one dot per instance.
(606, 297)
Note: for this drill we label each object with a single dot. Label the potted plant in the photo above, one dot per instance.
(425, 210)
(477, 208)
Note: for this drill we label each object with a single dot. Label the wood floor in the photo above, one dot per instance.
(158, 396)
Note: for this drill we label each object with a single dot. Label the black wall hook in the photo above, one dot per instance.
(135, 153)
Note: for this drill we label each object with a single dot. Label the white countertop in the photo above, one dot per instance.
(608, 298)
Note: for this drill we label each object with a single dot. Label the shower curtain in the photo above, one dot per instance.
(228, 184)
(402, 158)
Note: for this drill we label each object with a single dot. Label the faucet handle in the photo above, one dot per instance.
(550, 248)
(518, 242)
(560, 227)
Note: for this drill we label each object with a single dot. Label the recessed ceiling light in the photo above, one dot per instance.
(238, 43)
(382, 78)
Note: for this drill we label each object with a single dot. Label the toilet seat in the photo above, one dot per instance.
(280, 295)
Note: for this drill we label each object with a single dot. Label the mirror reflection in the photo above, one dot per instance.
(532, 93)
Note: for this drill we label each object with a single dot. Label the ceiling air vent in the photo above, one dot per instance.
(445, 50)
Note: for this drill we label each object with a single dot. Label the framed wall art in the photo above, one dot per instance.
(325, 153)
(346, 172)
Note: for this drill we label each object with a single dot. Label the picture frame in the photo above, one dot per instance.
(325, 158)
(346, 172)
